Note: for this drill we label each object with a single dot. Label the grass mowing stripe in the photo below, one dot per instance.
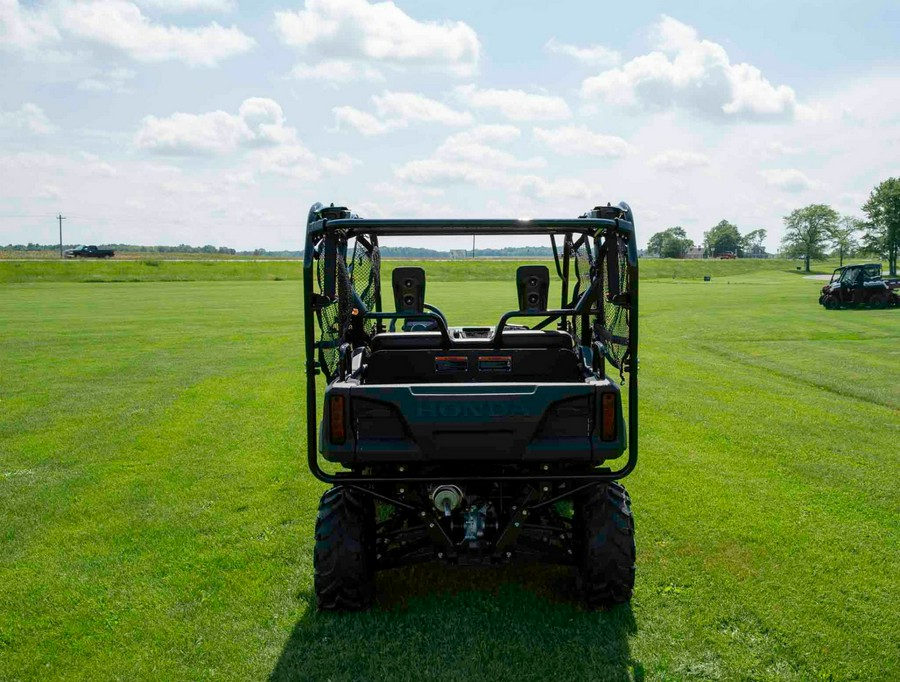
(438, 271)
(157, 516)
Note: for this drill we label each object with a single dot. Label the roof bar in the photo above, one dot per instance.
(455, 226)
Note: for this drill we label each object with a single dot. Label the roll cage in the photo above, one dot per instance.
(867, 271)
(595, 257)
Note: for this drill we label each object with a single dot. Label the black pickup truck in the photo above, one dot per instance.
(88, 252)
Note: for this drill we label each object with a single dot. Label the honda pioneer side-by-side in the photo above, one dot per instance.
(462, 443)
(856, 286)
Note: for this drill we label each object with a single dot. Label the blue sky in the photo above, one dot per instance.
(217, 121)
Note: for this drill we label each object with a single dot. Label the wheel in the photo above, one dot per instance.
(878, 302)
(344, 556)
(831, 303)
(605, 551)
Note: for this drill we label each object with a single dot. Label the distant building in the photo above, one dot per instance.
(757, 252)
(694, 252)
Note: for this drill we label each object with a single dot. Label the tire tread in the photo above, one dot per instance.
(605, 537)
(344, 575)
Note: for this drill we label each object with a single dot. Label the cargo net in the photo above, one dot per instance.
(356, 286)
(610, 325)
(582, 258)
(365, 277)
(615, 297)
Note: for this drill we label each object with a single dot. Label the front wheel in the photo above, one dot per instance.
(605, 551)
(344, 556)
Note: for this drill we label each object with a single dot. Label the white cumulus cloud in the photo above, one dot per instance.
(212, 133)
(775, 148)
(184, 6)
(694, 74)
(395, 110)
(122, 25)
(29, 117)
(516, 105)
(259, 130)
(336, 71)
(362, 121)
(787, 179)
(260, 122)
(580, 141)
(25, 28)
(593, 55)
(465, 158)
(410, 106)
(678, 160)
(487, 133)
(112, 80)
(378, 32)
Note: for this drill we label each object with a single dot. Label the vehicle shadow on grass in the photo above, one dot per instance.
(446, 623)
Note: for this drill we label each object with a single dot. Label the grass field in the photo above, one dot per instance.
(156, 270)
(53, 254)
(156, 516)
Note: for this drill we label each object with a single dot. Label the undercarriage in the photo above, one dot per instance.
(588, 526)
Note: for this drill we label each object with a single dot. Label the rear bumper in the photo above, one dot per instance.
(485, 423)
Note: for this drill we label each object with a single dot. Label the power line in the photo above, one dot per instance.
(60, 217)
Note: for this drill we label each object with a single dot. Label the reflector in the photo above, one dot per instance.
(336, 419)
(608, 417)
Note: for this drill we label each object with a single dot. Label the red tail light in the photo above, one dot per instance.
(338, 433)
(608, 421)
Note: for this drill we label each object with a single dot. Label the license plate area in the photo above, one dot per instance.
(448, 364)
(495, 363)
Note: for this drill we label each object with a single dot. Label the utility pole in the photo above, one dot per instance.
(60, 218)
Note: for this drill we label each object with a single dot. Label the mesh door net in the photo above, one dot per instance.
(609, 321)
(357, 285)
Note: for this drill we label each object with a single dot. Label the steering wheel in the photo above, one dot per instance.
(425, 324)
(437, 312)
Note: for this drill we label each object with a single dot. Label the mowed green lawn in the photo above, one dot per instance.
(156, 515)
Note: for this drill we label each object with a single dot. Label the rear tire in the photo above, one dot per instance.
(605, 551)
(879, 302)
(344, 557)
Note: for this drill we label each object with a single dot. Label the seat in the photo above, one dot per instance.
(406, 340)
(535, 338)
(512, 338)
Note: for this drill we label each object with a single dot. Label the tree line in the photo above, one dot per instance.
(809, 231)
(724, 238)
(811, 228)
(410, 252)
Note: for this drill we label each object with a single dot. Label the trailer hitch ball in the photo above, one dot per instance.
(446, 498)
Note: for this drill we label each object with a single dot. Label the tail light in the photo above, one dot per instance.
(608, 420)
(338, 433)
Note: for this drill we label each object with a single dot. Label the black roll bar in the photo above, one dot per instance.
(322, 220)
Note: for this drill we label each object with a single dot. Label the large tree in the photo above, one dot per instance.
(843, 235)
(723, 238)
(807, 231)
(882, 234)
(752, 243)
(671, 243)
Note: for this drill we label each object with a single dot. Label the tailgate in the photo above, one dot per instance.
(497, 422)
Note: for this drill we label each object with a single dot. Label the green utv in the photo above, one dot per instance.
(471, 444)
